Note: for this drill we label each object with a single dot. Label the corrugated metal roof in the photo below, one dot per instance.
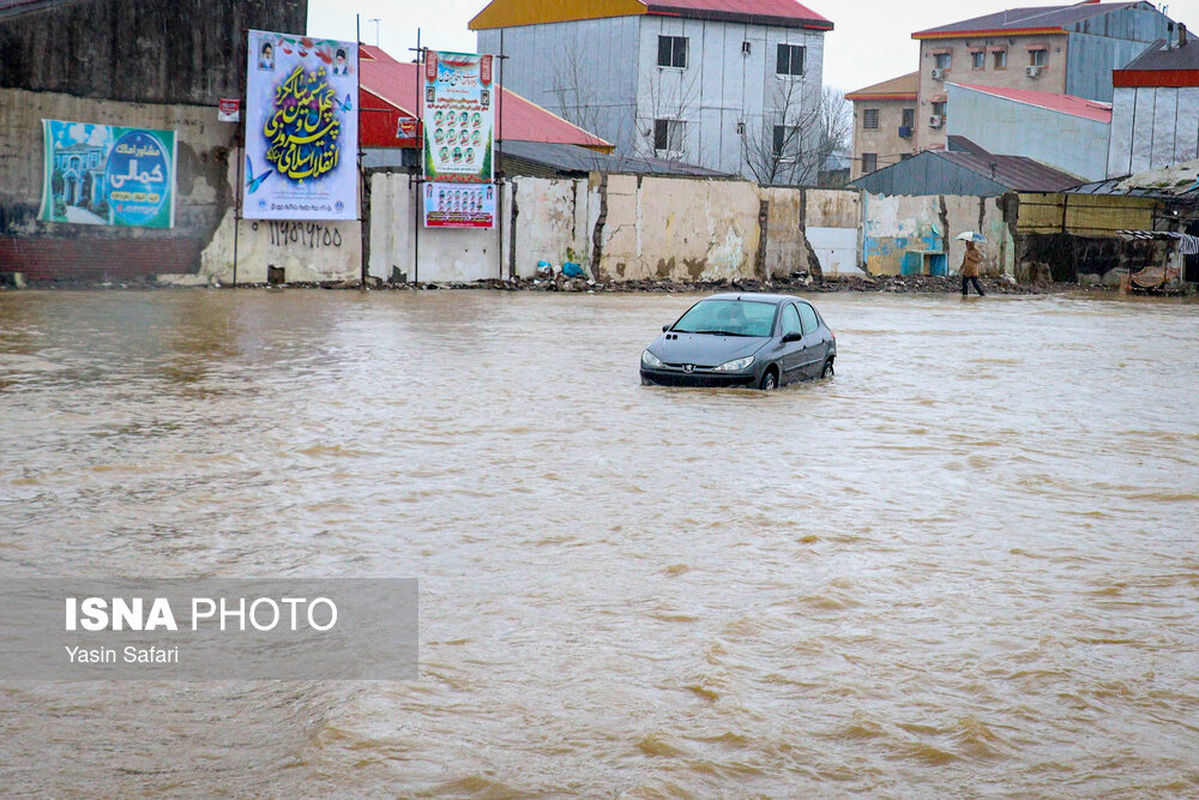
(1018, 173)
(1034, 18)
(1063, 103)
(568, 159)
(398, 83)
(1159, 57)
(1177, 181)
(964, 173)
(903, 87)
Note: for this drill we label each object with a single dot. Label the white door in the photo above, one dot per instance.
(837, 249)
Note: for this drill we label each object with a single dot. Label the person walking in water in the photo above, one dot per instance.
(969, 269)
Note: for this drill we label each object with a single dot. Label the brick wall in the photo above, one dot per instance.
(95, 260)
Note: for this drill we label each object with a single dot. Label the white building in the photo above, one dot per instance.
(691, 80)
(1155, 109)
(1062, 131)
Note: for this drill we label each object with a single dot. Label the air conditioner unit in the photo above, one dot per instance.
(935, 121)
(938, 74)
(1033, 72)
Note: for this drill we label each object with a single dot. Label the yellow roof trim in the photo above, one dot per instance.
(510, 13)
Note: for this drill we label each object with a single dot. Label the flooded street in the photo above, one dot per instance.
(964, 567)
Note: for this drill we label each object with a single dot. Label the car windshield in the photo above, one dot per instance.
(728, 318)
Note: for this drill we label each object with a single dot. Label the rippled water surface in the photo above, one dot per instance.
(964, 567)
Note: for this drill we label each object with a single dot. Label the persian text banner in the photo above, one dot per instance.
(108, 175)
(455, 205)
(301, 128)
(459, 117)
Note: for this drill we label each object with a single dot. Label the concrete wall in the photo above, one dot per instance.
(402, 249)
(203, 190)
(673, 229)
(200, 245)
(1063, 141)
(678, 229)
(896, 224)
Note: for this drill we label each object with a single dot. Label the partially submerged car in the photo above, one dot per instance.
(742, 339)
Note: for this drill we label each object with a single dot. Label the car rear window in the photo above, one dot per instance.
(728, 317)
(808, 315)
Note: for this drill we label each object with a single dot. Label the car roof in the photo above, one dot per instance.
(755, 297)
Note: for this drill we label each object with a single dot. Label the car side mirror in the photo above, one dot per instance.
(793, 336)
(665, 328)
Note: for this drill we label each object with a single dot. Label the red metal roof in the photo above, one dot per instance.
(1063, 103)
(390, 91)
(779, 11)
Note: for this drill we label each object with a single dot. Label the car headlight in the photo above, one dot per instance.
(651, 360)
(736, 365)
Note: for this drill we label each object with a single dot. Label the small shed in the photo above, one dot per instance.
(965, 173)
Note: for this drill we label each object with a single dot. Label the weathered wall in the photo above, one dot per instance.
(1084, 214)
(896, 224)
(652, 229)
(679, 229)
(204, 192)
(402, 249)
(163, 51)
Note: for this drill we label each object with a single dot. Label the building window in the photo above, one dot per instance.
(790, 59)
(1038, 58)
(942, 60)
(909, 118)
(786, 138)
(1000, 57)
(668, 135)
(906, 156)
(869, 162)
(978, 60)
(870, 118)
(672, 51)
(939, 108)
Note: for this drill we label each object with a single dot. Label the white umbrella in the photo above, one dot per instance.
(971, 236)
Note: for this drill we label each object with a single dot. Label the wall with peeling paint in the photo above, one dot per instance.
(675, 229)
(679, 229)
(896, 225)
(401, 249)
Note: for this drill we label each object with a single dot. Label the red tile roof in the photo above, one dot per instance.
(1063, 103)
(778, 11)
(392, 87)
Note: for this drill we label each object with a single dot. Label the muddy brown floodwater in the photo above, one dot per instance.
(964, 567)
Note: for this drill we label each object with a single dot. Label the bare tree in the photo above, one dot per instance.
(792, 141)
(669, 97)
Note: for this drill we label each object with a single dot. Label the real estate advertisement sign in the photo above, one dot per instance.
(458, 118)
(301, 128)
(108, 175)
(459, 205)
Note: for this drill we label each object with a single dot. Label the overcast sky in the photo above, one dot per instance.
(871, 40)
